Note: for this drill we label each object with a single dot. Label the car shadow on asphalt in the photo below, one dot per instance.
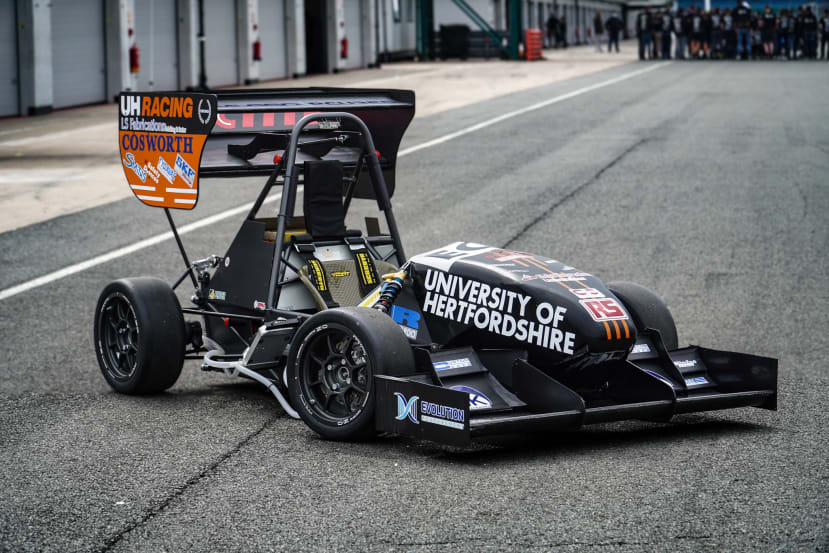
(691, 430)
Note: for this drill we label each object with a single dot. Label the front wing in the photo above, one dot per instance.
(652, 384)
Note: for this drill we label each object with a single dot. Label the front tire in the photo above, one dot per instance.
(139, 335)
(647, 309)
(331, 366)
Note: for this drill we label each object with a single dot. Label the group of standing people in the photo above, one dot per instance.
(737, 33)
(613, 25)
(557, 30)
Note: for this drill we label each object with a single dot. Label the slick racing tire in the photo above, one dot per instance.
(331, 366)
(647, 309)
(139, 335)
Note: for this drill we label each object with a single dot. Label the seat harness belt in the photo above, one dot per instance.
(316, 272)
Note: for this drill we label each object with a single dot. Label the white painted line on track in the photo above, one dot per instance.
(43, 178)
(54, 135)
(158, 238)
(522, 111)
(126, 250)
(14, 131)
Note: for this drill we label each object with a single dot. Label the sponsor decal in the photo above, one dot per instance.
(369, 300)
(418, 411)
(557, 277)
(152, 172)
(406, 408)
(452, 364)
(696, 381)
(185, 171)
(156, 143)
(442, 415)
(329, 124)
(217, 295)
(496, 310)
(604, 309)
(259, 305)
(129, 162)
(508, 256)
(686, 364)
(641, 348)
(340, 274)
(204, 111)
(477, 400)
(407, 319)
(165, 133)
(150, 125)
(586, 293)
(166, 171)
(157, 106)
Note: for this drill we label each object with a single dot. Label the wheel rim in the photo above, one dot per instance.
(335, 375)
(118, 335)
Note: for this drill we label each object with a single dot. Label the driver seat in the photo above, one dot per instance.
(342, 282)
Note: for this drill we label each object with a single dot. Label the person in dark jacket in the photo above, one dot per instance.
(769, 31)
(562, 30)
(784, 26)
(716, 34)
(699, 33)
(598, 30)
(643, 33)
(742, 21)
(667, 24)
(809, 23)
(679, 32)
(756, 37)
(552, 27)
(824, 34)
(656, 32)
(797, 44)
(614, 28)
(730, 34)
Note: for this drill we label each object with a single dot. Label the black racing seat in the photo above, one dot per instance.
(343, 282)
(322, 201)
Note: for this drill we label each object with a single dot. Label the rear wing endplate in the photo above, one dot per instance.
(161, 137)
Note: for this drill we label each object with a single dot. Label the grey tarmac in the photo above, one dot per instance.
(704, 181)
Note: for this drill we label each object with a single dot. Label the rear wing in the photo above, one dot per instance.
(169, 140)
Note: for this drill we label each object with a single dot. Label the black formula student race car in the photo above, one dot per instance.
(325, 310)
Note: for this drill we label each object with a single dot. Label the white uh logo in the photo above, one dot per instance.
(130, 105)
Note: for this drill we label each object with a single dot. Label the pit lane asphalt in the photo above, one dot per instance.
(706, 182)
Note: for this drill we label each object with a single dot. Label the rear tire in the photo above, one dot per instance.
(331, 366)
(647, 309)
(139, 335)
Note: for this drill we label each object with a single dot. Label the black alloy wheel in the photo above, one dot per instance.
(336, 374)
(119, 335)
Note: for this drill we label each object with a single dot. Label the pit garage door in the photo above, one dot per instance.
(155, 35)
(272, 35)
(353, 32)
(78, 60)
(8, 60)
(221, 60)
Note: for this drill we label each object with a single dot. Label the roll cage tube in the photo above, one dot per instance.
(286, 206)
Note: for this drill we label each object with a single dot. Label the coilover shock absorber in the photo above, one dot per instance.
(394, 283)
